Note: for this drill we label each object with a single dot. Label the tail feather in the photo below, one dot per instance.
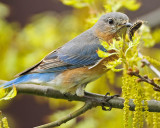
(9, 83)
(36, 78)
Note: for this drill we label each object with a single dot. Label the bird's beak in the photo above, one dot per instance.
(128, 24)
(125, 25)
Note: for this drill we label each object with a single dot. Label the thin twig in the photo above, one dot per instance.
(88, 105)
(145, 79)
(145, 61)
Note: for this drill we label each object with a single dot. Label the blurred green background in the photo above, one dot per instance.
(29, 30)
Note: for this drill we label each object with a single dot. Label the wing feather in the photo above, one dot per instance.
(74, 54)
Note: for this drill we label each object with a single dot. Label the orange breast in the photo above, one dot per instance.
(106, 36)
(83, 73)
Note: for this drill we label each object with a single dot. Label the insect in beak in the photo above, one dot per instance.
(134, 28)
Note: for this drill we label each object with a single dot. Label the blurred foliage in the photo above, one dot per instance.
(108, 5)
(146, 36)
(3, 121)
(22, 47)
(156, 36)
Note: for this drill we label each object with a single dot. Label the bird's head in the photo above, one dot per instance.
(111, 25)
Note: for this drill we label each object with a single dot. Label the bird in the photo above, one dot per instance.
(72, 66)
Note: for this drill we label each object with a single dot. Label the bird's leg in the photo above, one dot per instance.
(80, 90)
(106, 99)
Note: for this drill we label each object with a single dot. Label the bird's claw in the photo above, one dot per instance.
(105, 102)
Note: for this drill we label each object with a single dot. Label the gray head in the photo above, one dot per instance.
(111, 25)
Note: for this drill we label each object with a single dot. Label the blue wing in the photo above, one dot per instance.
(79, 52)
(57, 62)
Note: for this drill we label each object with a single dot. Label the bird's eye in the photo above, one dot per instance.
(110, 21)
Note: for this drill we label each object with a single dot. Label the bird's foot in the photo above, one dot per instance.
(107, 98)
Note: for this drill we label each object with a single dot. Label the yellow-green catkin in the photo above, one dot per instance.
(126, 94)
(5, 122)
(156, 116)
(152, 61)
(138, 97)
(148, 115)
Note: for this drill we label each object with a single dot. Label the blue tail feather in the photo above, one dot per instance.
(41, 77)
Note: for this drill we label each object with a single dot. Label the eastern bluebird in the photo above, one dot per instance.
(71, 67)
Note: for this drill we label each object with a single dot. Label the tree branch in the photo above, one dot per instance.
(88, 105)
(97, 99)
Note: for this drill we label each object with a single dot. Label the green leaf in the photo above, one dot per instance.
(113, 64)
(103, 54)
(8, 96)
